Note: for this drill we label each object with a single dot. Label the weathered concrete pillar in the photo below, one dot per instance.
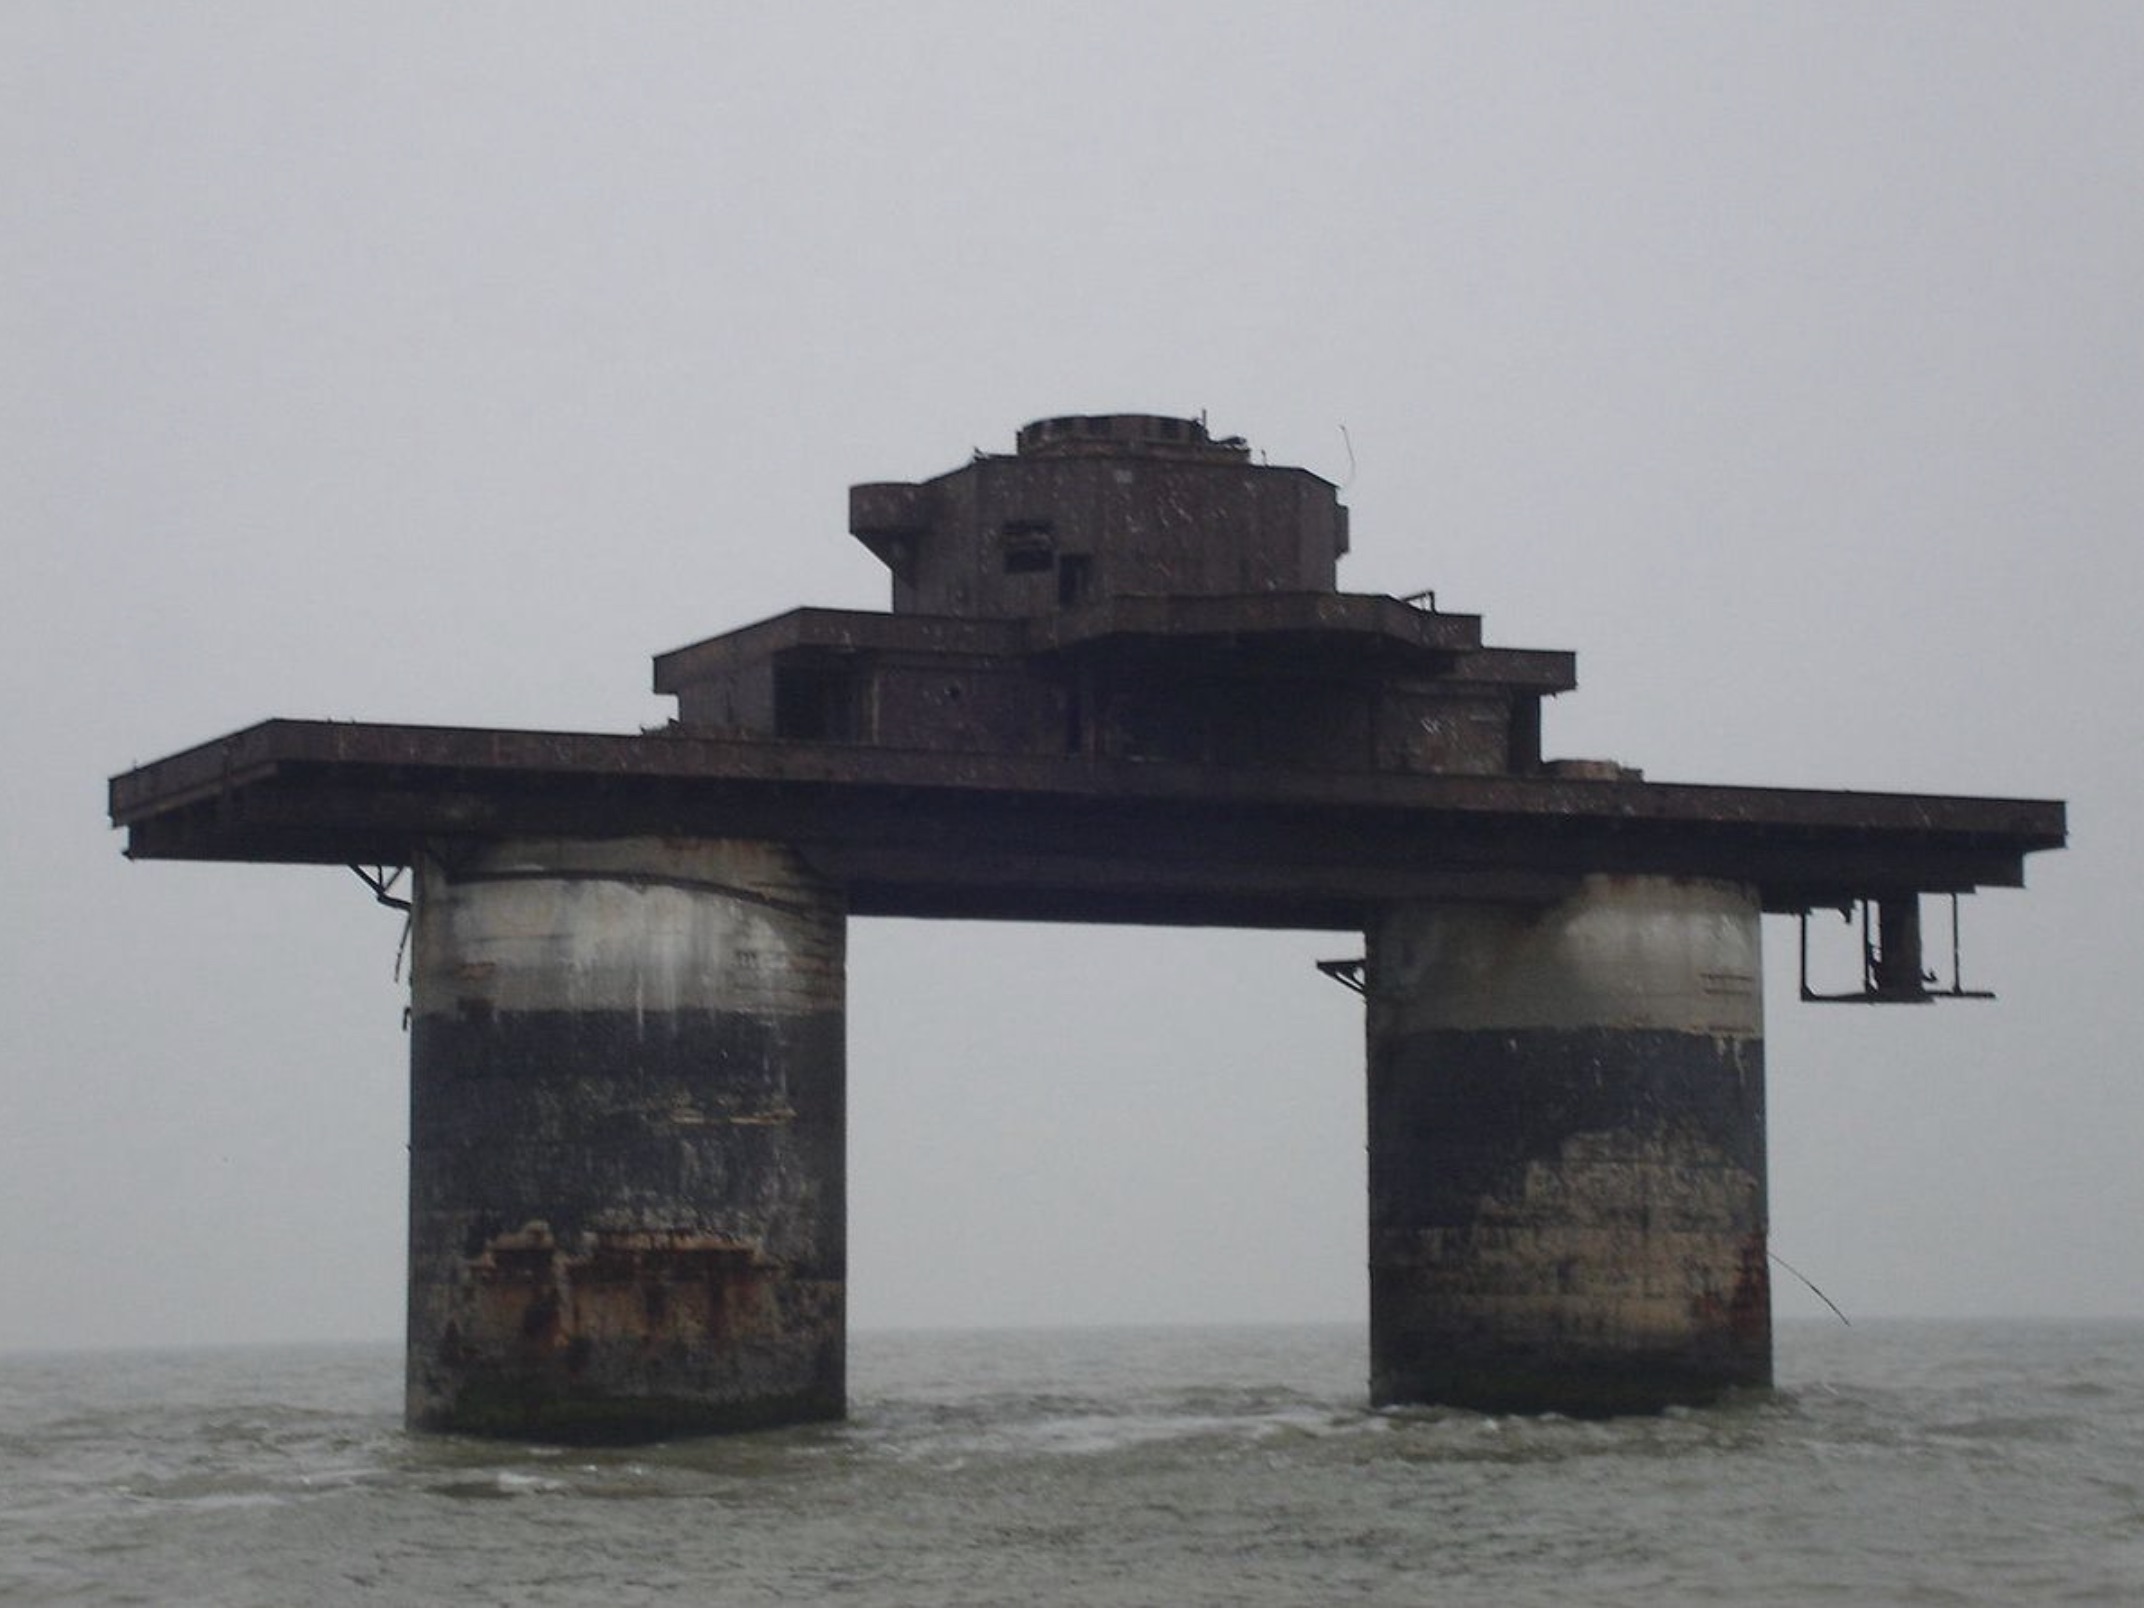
(627, 1215)
(1567, 1172)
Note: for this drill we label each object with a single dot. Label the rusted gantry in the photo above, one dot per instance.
(1117, 684)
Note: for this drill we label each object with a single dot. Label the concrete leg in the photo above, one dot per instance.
(1567, 1163)
(627, 1217)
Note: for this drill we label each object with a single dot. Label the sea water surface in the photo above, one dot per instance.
(1925, 1463)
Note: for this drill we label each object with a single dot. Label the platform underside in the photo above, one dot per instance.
(1067, 839)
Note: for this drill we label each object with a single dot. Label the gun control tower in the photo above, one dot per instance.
(1117, 684)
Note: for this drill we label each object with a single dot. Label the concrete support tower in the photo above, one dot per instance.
(1567, 1192)
(626, 1140)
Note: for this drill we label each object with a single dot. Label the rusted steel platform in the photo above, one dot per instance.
(1037, 837)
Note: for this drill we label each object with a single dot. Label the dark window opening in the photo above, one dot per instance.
(1155, 728)
(1029, 545)
(1075, 575)
(815, 703)
(1523, 750)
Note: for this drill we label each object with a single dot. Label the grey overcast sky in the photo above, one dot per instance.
(441, 364)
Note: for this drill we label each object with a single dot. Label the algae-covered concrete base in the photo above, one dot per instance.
(1567, 1174)
(626, 1159)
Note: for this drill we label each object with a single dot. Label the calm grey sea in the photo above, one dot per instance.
(1898, 1463)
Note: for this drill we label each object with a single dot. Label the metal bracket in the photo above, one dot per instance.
(1352, 974)
(1881, 982)
(382, 884)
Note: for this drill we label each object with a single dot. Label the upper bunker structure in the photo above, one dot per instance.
(1124, 587)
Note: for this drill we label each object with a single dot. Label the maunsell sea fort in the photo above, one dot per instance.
(1117, 683)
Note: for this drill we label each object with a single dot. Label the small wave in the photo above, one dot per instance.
(1998, 1428)
(502, 1485)
(207, 1491)
(1083, 1428)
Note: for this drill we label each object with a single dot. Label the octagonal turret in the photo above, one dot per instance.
(1095, 506)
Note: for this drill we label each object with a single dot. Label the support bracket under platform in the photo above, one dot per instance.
(1351, 974)
(1891, 967)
